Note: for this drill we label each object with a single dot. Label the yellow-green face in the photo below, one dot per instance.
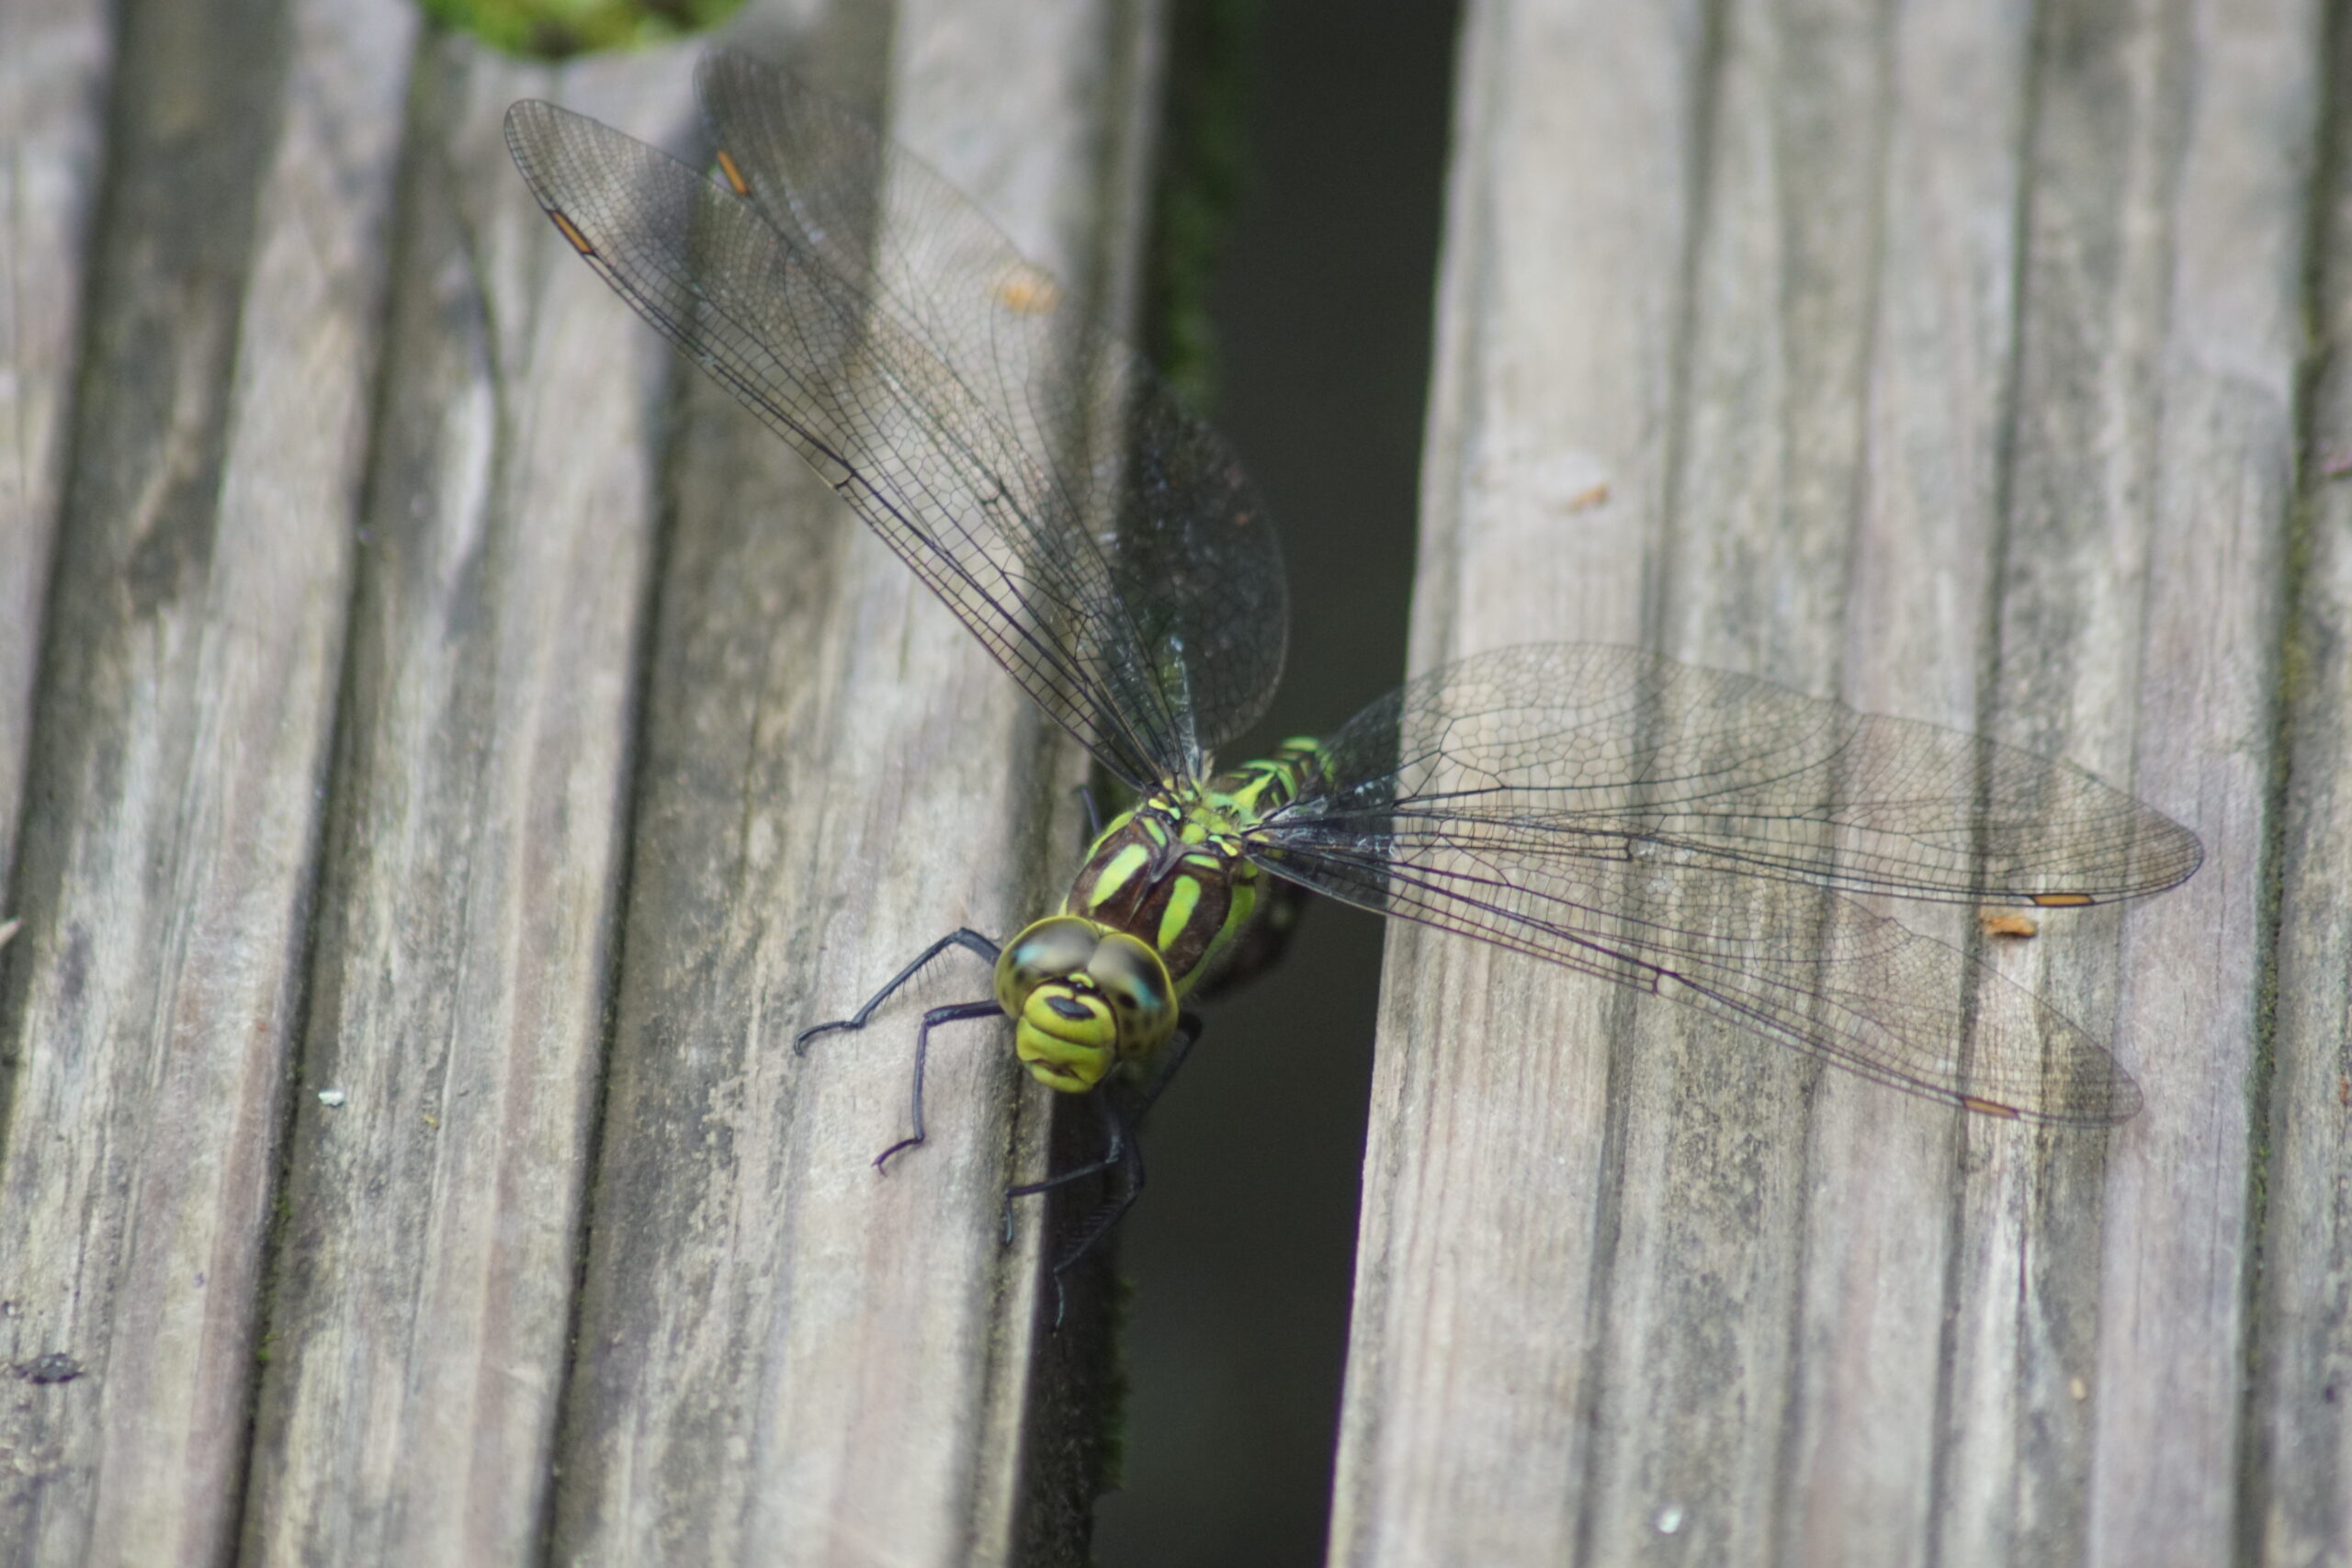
(1083, 998)
(1164, 892)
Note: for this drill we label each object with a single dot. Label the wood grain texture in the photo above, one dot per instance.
(784, 1356)
(1943, 359)
(451, 790)
(2296, 1507)
(174, 808)
(56, 57)
(466, 922)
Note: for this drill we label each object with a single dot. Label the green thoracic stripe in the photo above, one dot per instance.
(1170, 872)
(1131, 859)
(1183, 898)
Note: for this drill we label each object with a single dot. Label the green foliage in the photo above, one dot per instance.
(1204, 175)
(557, 29)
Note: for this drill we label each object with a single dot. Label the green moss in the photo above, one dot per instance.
(1204, 176)
(557, 29)
(1116, 1389)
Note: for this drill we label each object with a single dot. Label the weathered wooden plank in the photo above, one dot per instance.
(1458, 1437)
(464, 950)
(173, 795)
(2141, 610)
(1939, 311)
(2297, 1497)
(1909, 347)
(55, 62)
(1534, 408)
(785, 1357)
(467, 914)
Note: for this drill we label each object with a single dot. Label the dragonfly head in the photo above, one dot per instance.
(1083, 998)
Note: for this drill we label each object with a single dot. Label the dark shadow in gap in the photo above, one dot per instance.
(1242, 1253)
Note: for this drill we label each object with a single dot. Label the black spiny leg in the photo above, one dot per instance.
(1122, 1151)
(952, 1013)
(1120, 1131)
(965, 938)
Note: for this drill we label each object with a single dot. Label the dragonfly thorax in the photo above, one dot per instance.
(1164, 895)
(1171, 874)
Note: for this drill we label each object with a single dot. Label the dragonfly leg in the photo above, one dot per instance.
(1085, 793)
(965, 938)
(1119, 1131)
(1123, 1152)
(952, 1013)
(1121, 1123)
(1116, 1152)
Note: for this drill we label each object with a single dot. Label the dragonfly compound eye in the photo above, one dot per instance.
(1135, 981)
(1052, 949)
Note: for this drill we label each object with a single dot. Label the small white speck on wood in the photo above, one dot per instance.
(459, 985)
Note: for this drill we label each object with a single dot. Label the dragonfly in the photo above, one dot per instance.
(1696, 834)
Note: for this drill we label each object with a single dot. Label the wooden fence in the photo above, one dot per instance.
(446, 751)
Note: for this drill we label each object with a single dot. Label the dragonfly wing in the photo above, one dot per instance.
(1798, 964)
(1197, 565)
(1687, 831)
(901, 346)
(1584, 750)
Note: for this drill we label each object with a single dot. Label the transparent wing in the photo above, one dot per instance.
(1684, 830)
(1096, 538)
(1586, 751)
(1197, 564)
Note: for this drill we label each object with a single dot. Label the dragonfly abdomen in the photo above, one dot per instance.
(1257, 790)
